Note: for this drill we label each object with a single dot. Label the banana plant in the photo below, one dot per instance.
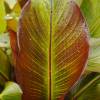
(42, 70)
(50, 49)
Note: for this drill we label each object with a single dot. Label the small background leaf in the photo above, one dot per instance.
(4, 41)
(87, 87)
(4, 66)
(11, 92)
(79, 2)
(2, 17)
(91, 10)
(11, 3)
(94, 59)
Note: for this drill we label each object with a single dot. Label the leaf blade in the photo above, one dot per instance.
(38, 45)
(68, 62)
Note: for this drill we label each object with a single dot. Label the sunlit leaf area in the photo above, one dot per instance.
(49, 49)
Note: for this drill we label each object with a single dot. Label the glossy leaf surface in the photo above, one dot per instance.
(51, 48)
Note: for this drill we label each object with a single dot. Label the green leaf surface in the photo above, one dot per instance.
(4, 66)
(92, 93)
(87, 87)
(11, 91)
(95, 42)
(79, 2)
(11, 3)
(90, 89)
(94, 58)
(51, 48)
(2, 17)
(91, 10)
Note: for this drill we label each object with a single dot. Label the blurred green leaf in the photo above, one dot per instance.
(5, 46)
(86, 88)
(93, 90)
(11, 92)
(2, 82)
(95, 42)
(91, 11)
(13, 17)
(11, 3)
(17, 9)
(2, 17)
(4, 40)
(4, 66)
(79, 2)
(94, 59)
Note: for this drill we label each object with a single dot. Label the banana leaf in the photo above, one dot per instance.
(50, 49)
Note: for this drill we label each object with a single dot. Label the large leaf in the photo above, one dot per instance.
(91, 10)
(51, 49)
(11, 92)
